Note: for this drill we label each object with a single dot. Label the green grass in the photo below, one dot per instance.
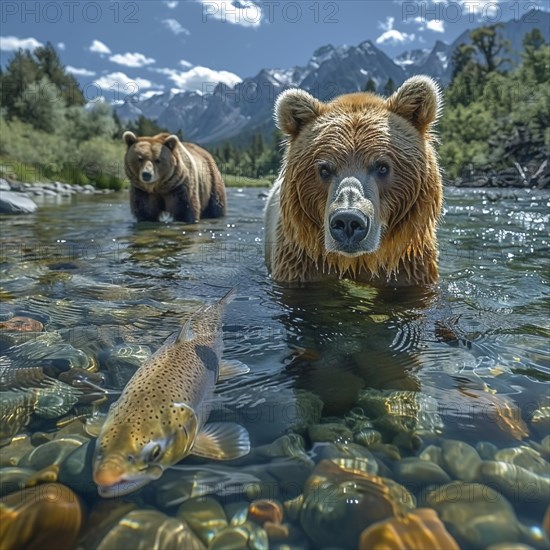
(241, 181)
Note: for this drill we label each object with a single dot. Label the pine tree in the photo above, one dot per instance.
(389, 88)
(370, 86)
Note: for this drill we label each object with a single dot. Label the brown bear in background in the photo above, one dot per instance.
(167, 175)
(359, 194)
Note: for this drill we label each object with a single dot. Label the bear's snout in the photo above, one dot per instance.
(349, 226)
(146, 176)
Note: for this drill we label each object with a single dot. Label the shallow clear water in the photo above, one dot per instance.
(477, 345)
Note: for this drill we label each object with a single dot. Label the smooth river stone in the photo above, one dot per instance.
(525, 457)
(45, 516)
(205, 516)
(486, 450)
(545, 447)
(22, 324)
(509, 546)
(52, 452)
(246, 535)
(75, 470)
(146, 529)
(418, 530)
(13, 479)
(432, 453)
(415, 473)
(330, 433)
(460, 460)
(517, 483)
(476, 515)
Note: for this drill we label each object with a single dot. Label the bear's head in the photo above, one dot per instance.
(150, 162)
(358, 169)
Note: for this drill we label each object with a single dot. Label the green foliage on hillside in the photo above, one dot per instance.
(486, 108)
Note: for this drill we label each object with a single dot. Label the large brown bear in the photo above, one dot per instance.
(359, 193)
(167, 175)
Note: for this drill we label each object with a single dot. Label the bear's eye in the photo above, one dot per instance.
(325, 170)
(382, 169)
(157, 161)
(140, 158)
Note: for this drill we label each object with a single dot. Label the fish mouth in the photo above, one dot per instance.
(112, 485)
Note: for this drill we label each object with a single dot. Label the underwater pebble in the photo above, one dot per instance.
(147, 529)
(524, 456)
(13, 479)
(123, 361)
(432, 453)
(340, 501)
(545, 447)
(460, 459)
(367, 437)
(52, 452)
(264, 510)
(486, 450)
(516, 483)
(21, 324)
(476, 515)
(246, 536)
(75, 470)
(509, 546)
(11, 454)
(418, 530)
(416, 472)
(45, 516)
(290, 445)
(330, 433)
(205, 516)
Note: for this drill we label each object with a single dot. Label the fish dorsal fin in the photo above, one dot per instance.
(222, 441)
(186, 334)
(231, 368)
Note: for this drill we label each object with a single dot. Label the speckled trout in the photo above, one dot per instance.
(160, 416)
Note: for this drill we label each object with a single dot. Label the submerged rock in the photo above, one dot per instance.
(146, 529)
(418, 530)
(340, 501)
(417, 473)
(330, 433)
(525, 457)
(21, 324)
(460, 459)
(205, 516)
(246, 535)
(45, 516)
(478, 516)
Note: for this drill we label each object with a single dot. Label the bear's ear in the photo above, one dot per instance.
(419, 101)
(171, 142)
(129, 138)
(294, 108)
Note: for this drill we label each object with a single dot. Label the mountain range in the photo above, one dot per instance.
(239, 111)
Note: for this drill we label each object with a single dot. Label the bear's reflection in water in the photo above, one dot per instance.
(348, 336)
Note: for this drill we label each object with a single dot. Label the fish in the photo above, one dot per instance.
(160, 416)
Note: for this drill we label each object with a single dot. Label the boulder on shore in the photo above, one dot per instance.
(16, 203)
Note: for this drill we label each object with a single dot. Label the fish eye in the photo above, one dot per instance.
(155, 453)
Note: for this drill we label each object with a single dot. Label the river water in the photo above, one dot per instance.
(471, 354)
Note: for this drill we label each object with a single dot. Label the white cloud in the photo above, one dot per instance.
(435, 25)
(185, 64)
(122, 84)
(392, 36)
(99, 47)
(175, 26)
(199, 79)
(79, 72)
(61, 46)
(171, 4)
(131, 59)
(10, 43)
(247, 13)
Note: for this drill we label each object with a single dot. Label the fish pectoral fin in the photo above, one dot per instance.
(222, 441)
(231, 368)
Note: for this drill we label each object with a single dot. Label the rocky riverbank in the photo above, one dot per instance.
(18, 198)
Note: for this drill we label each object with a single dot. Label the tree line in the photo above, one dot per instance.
(44, 113)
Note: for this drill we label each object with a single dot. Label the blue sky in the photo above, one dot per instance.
(150, 47)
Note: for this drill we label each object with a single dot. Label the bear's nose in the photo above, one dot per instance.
(146, 176)
(349, 226)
